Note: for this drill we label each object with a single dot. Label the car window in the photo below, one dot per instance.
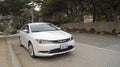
(43, 27)
(25, 29)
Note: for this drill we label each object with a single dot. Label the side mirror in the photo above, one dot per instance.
(59, 28)
(25, 30)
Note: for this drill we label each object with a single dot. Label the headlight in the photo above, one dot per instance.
(43, 41)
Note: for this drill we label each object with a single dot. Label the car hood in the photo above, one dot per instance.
(51, 35)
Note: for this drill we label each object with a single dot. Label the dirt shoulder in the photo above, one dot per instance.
(4, 53)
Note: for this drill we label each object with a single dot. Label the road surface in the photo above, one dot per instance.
(91, 50)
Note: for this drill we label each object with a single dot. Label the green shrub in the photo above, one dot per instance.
(83, 30)
(1, 27)
(92, 30)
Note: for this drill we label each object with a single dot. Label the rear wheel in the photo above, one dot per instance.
(31, 50)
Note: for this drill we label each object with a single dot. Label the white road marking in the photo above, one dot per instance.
(97, 47)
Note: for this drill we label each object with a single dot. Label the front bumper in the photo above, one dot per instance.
(53, 49)
(52, 54)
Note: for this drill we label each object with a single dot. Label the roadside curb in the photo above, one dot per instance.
(13, 58)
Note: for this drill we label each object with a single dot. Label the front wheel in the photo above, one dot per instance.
(20, 42)
(31, 50)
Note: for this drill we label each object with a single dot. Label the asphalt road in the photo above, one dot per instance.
(91, 51)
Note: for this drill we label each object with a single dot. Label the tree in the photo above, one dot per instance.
(76, 9)
(109, 8)
(9, 9)
(72, 9)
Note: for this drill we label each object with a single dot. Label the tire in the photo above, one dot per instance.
(31, 50)
(20, 42)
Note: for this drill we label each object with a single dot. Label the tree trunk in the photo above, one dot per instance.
(94, 13)
(7, 26)
(114, 14)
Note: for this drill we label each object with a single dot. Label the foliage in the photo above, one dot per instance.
(1, 28)
(60, 11)
(9, 7)
(74, 10)
(70, 9)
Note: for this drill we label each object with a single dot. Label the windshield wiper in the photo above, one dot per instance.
(49, 30)
(36, 31)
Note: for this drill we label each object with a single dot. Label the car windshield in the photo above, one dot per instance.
(43, 27)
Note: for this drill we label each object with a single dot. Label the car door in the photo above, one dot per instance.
(24, 35)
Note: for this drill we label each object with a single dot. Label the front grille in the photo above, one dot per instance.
(61, 41)
(61, 50)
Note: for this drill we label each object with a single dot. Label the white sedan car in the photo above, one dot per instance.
(45, 39)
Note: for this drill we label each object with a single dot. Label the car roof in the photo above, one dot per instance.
(37, 23)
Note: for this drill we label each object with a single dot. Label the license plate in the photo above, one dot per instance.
(63, 46)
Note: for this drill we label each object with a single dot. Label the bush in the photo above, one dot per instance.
(83, 30)
(17, 25)
(105, 32)
(92, 30)
(114, 32)
(1, 27)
